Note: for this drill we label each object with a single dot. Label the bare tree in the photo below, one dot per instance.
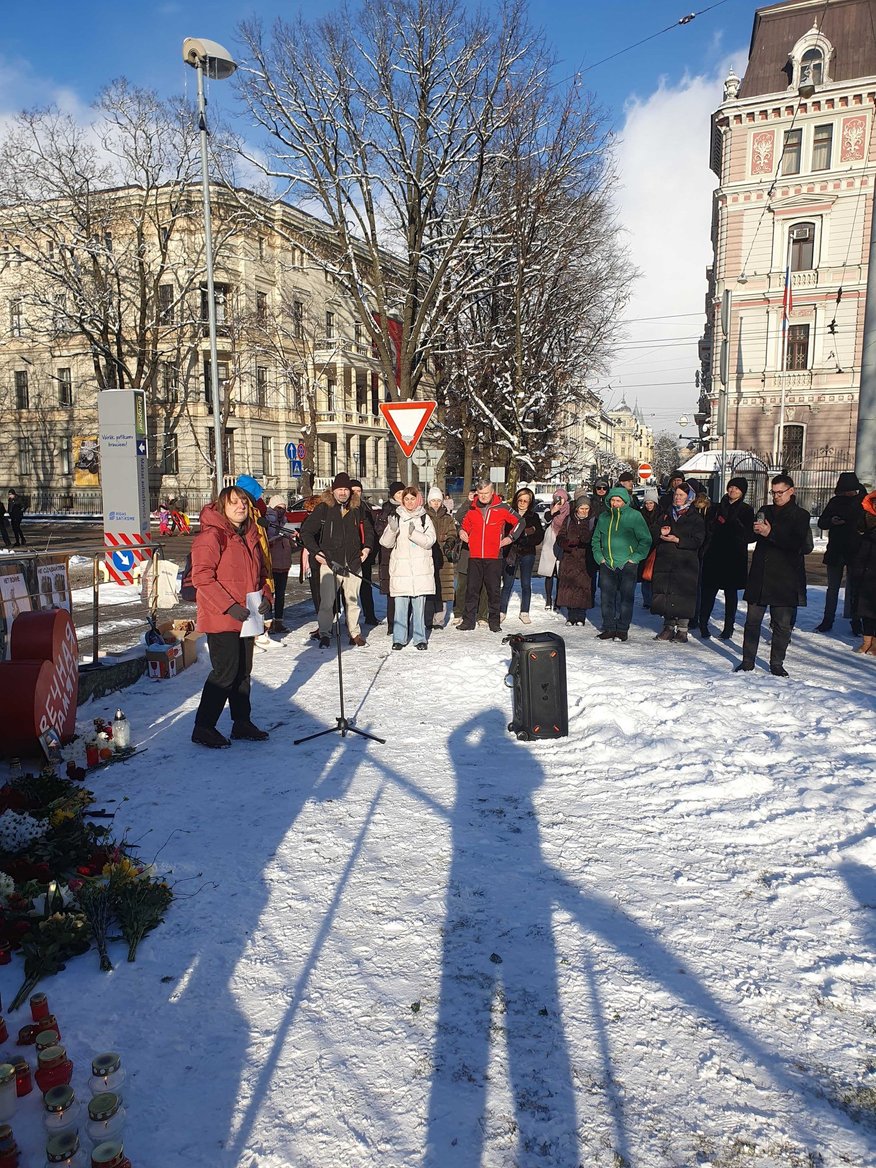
(665, 455)
(519, 356)
(387, 123)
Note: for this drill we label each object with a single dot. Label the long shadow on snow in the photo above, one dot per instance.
(499, 974)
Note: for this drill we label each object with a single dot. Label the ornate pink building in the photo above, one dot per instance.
(794, 151)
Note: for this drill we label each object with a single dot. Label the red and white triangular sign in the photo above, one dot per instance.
(407, 421)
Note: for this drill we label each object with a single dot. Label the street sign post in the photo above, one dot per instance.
(124, 480)
(407, 421)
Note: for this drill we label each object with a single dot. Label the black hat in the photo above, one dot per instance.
(740, 482)
(342, 479)
(355, 483)
(848, 481)
(603, 483)
(394, 487)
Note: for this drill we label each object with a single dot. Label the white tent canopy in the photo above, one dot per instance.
(708, 462)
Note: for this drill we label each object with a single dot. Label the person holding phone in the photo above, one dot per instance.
(676, 574)
(777, 576)
(228, 563)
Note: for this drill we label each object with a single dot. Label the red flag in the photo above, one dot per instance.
(787, 299)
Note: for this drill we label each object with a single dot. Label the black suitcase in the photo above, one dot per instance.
(537, 677)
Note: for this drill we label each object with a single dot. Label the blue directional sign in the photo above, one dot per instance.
(123, 560)
(297, 467)
(141, 447)
(290, 450)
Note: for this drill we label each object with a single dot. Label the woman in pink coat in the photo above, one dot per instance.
(227, 563)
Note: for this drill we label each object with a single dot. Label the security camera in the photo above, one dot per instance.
(210, 56)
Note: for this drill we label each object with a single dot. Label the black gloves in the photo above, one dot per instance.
(237, 612)
(266, 607)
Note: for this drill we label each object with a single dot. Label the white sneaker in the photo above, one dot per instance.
(525, 617)
(263, 641)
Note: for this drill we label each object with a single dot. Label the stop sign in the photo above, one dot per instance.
(645, 470)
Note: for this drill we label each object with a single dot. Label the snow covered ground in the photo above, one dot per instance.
(649, 944)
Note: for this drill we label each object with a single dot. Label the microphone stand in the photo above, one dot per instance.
(342, 725)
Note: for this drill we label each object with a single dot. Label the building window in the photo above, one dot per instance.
(362, 461)
(170, 464)
(822, 145)
(331, 387)
(329, 325)
(812, 67)
(268, 455)
(262, 386)
(221, 301)
(65, 387)
(261, 308)
(792, 446)
(802, 236)
(798, 347)
(295, 390)
(791, 151)
(228, 447)
(24, 457)
(169, 381)
(16, 318)
(22, 393)
(298, 319)
(65, 456)
(59, 312)
(165, 304)
(222, 370)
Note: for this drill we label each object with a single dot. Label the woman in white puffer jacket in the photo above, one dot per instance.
(410, 533)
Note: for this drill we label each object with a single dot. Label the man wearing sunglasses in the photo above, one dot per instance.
(777, 576)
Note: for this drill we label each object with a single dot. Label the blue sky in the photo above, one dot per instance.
(80, 46)
(658, 97)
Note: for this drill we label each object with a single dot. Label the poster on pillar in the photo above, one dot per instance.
(124, 480)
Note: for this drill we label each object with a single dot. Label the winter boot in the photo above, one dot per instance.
(866, 646)
(666, 633)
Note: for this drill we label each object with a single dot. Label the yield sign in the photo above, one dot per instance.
(407, 421)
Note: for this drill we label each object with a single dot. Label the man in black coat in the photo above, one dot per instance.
(840, 520)
(729, 527)
(777, 576)
(4, 530)
(337, 540)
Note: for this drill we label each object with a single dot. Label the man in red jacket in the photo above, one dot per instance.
(484, 530)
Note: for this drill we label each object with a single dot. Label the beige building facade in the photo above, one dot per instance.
(295, 364)
(794, 151)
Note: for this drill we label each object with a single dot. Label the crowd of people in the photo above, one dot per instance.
(435, 564)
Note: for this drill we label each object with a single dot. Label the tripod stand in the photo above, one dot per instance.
(343, 726)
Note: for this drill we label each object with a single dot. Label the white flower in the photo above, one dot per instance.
(7, 885)
(18, 830)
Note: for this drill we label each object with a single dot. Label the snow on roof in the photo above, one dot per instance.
(707, 461)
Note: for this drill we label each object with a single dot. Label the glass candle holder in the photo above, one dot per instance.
(23, 1077)
(106, 1118)
(107, 1073)
(54, 1069)
(64, 1150)
(8, 1098)
(46, 1038)
(10, 1156)
(61, 1111)
(39, 1007)
(110, 1155)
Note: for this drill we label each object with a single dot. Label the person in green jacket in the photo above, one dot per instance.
(621, 540)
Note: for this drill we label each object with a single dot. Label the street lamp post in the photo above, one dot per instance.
(211, 58)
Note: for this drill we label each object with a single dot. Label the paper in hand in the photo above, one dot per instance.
(254, 625)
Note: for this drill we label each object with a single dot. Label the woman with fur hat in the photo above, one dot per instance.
(550, 553)
(677, 565)
(520, 556)
(729, 527)
(410, 535)
(575, 579)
